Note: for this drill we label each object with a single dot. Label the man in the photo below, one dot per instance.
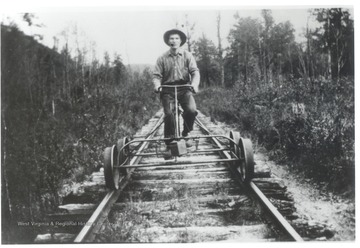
(177, 67)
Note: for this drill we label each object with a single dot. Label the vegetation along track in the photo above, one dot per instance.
(198, 202)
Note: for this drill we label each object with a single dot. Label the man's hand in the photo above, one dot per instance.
(195, 89)
(157, 88)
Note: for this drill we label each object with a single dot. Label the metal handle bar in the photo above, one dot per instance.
(175, 86)
(177, 131)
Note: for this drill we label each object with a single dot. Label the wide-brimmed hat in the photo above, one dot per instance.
(174, 31)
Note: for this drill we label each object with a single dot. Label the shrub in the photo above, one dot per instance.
(318, 142)
(57, 118)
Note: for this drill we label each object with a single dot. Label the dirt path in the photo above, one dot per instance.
(316, 206)
(313, 205)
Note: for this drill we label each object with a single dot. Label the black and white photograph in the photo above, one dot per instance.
(164, 123)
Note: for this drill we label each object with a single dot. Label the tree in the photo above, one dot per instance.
(207, 55)
(119, 72)
(243, 40)
(189, 30)
(28, 17)
(265, 36)
(336, 39)
(41, 149)
(220, 52)
(280, 41)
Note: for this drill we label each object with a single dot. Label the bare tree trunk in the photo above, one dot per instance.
(308, 49)
(279, 70)
(220, 53)
(329, 49)
(266, 62)
(329, 64)
(339, 51)
(66, 72)
(290, 60)
(312, 72)
(53, 107)
(239, 64)
(302, 64)
(56, 43)
(4, 171)
(340, 59)
(311, 69)
(246, 63)
(189, 30)
(222, 74)
(261, 64)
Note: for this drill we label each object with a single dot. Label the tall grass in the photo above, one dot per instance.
(57, 118)
(308, 125)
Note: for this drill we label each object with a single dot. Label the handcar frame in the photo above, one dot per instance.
(117, 157)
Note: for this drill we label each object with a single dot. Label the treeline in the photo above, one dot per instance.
(58, 114)
(261, 51)
(295, 99)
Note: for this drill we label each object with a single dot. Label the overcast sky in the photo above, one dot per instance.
(136, 33)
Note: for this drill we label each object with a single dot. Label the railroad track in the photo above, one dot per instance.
(198, 202)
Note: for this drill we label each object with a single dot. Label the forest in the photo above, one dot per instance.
(60, 109)
(294, 99)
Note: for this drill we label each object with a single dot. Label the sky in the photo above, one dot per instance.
(136, 32)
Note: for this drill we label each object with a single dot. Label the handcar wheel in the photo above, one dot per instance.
(246, 160)
(111, 173)
(123, 153)
(235, 136)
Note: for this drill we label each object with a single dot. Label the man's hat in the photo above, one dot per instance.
(174, 31)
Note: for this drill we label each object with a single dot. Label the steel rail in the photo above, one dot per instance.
(183, 162)
(191, 152)
(197, 137)
(276, 214)
(281, 221)
(94, 223)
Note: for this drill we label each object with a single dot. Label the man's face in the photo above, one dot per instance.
(174, 41)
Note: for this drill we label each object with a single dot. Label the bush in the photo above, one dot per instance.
(317, 141)
(57, 118)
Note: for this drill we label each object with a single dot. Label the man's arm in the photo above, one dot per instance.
(195, 74)
(157, 75)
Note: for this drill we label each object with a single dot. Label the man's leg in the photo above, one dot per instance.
(188, 104)
(169, 119)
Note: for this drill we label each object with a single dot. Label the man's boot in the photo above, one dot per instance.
(189, 142)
